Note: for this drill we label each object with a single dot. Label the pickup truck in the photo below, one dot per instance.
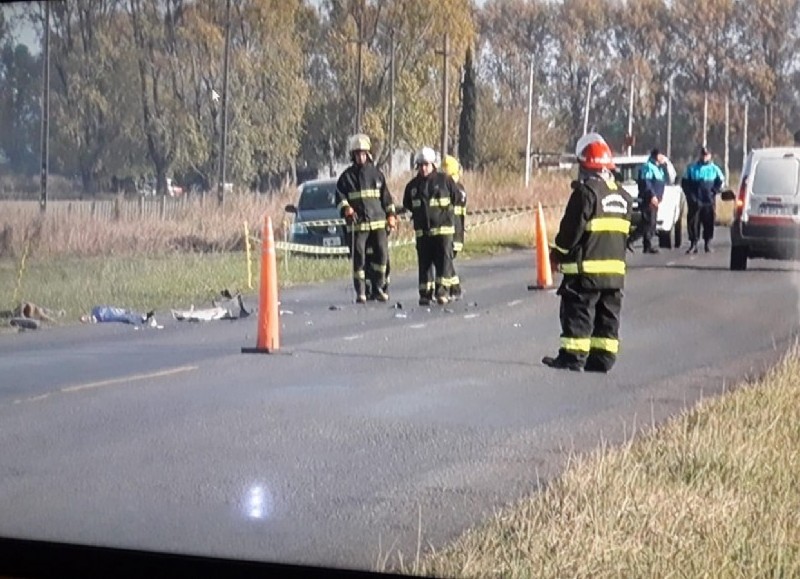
(669, 221)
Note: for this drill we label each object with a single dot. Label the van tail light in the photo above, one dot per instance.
(741, 199)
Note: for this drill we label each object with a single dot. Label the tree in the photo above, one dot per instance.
(19, 108)
(467, 151)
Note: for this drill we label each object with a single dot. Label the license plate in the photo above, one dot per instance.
(772, 209)
(331, 241)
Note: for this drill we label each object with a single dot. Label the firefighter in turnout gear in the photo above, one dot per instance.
(452, 168)
(430, 197)
(590, 251)
(365, 203)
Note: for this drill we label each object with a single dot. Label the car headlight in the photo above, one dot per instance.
(299, 229)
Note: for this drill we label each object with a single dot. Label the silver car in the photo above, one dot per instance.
(767, 208)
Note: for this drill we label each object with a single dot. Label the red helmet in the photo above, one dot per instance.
(594, 153)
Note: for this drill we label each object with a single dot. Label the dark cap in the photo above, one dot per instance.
(704, 151)
(655, 152)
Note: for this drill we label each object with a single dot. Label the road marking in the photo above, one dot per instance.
(514, 303)
(131, 378)
(356, 337)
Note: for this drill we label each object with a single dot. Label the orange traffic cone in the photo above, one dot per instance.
(268, 339)
(544, 275)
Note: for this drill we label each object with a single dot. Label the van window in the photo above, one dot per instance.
(319, 196)
(776, 177)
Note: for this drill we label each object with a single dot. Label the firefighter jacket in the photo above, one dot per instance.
(431, 200)
(460, 213)
(590, 243)
(364, 189)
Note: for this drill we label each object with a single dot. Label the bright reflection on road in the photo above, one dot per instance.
(258, 502)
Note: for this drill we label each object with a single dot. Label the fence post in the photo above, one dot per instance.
(117, 209)
(163, 207)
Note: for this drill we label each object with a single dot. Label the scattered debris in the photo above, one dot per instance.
(285, 312)
(398, 306)
(401, 315)
(102, 314)
(334, 307)
(470, 316)
(517, 325)
(205, 315)
(231, 307)
(25, 323)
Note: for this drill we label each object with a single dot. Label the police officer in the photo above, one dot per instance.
(590, 250)
(452, 168)
(430, 197)
(700, 183)
(364, 201)
(651, 181)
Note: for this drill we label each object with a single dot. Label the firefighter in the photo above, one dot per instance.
(700, 183)
(430, 197)
(590, 252)
(364, 201)
(452, 168)
(651, 181)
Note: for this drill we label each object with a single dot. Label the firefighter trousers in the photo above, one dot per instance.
(358, 242)
(589, 326)
(435, 263)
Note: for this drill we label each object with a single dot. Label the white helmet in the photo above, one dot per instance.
(359, 142)
(425, 155)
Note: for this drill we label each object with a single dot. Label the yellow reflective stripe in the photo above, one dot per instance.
(596, 266)
(443, 202)
(359, 274)
(378, 267)
(460, 210)
(455, 280)
(427, 286)
(444, 230)
(609, 224)
(576, 344)
(368, 225)
(458, 246)
(447, 281)
(607, 344)
(365, 194)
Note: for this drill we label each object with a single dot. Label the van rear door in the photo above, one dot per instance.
(774, 189)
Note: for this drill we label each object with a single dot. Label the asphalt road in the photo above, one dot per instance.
(371, 425)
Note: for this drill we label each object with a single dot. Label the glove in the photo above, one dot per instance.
(555, 260)
(349, 214)
(391, 223)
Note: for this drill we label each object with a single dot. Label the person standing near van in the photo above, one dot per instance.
(651, 181)
(700, 183)
(365, 203)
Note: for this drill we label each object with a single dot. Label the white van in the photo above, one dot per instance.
(766, 219)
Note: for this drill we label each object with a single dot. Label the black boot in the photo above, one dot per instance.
(560, 363)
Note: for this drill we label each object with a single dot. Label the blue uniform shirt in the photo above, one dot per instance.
(702, 181)
(652, 179)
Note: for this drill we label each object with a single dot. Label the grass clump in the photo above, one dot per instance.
(713, 493)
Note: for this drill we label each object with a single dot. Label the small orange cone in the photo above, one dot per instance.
(268, 339)
(544, 275)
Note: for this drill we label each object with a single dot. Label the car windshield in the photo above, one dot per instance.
(318, 196)
(779, 177)
(627, 173)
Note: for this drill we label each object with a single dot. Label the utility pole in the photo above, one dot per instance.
(727, 137)
(45, 110)
(445, 97)
(391, 102)
(630, 120)
(530, 116)
(586, 104)
(669, 117)
(359, 73)
(224, 132)
(744, 131)
(705, 118)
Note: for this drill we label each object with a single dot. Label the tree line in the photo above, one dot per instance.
(136, 86)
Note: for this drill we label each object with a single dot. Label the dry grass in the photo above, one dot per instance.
(203, 226)
(711, 494)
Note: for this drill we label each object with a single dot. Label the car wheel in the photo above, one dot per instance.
(738, 258)
(665, 239)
